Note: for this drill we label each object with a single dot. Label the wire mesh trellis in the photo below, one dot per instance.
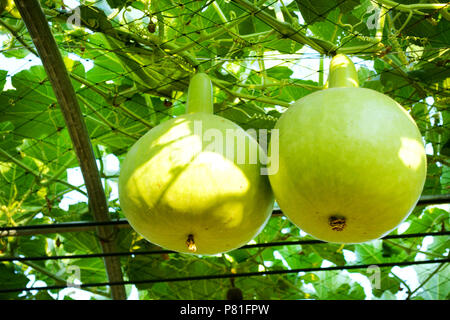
(121, 99)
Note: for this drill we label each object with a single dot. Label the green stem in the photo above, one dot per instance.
(18, 37)
(58, 280)
(223, 29)
(267, 85)
(402, 281)
(60, 171)
(200, 94)
(372, 47)
(285, 28)
(88, 84)
(39, 175)
(321, 71)
(417, 6)
(336, 29)
(250, 36)
(261, 64)
(421, 91)
(219, 12)
(411, 250)
(410, 14)
(105, 121)
(285, 10)
(342, 72)
(252, 98)
(431, 275)
(380, 27)
(122, 34)
(116, 100)
(395, 43)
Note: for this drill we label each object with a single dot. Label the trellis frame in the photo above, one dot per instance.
(82, 144)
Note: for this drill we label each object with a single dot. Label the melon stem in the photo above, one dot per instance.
(191, 243)
(342, 72)
(200, 94)
(337, 223)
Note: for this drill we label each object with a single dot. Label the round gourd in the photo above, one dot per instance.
(191, 184)
(351, 162)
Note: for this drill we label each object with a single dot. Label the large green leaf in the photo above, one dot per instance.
(437, 285)
(332, 285)
(429, 220)
(3, 74)
(316, 11)
(11, 277)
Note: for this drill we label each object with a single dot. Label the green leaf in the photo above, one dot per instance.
(240, 255)
(438, 246)
(53, 153)
(445, 178)
(279, 72)
(429, 220)
(433, 181)
(32, 246)
(107, 67)
(315, 11)
(16, 52)
(295, 92)
(32, 103)
(86, 271)
(382, 281)
(431, 72)
(333, 285)
(435, 33)
(11, 278)
(83, 242)
(327, 251)
(286, 46)
(43, 295)
(253, 24)
(369, 79)
(119, 4)
(138, 5)
(328, 29)
(249, 116)
(369, 253)
(420, 111)
(437, 285)
(298, 258)
(8, 142)
(3, 75)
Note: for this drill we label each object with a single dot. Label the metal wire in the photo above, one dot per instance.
(230, 275)
(249, 246)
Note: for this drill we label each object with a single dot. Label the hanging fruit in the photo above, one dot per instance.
(191, 185)
(351, 161)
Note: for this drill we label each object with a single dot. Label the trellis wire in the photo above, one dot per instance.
(231, 275)
(249, 246)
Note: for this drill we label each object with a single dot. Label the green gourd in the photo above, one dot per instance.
(351, 163)
(192, 185)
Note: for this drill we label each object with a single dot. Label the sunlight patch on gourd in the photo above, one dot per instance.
(410, 153)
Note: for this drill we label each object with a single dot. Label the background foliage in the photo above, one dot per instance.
(130, 62)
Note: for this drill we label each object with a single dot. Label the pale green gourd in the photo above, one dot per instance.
(351, 162)
(182, 192)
